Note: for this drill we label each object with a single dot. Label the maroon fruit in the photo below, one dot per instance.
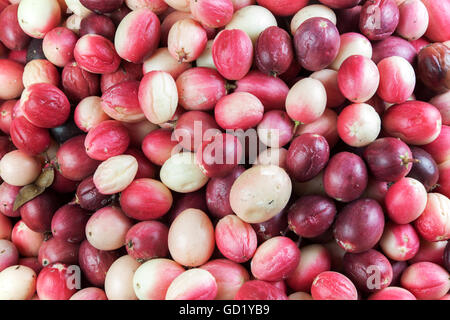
(38, 213)
(424, 168)
(56, 250)
(311, 216)
(98, 24)
(147, 240)
(316, 43)
(359, 226)
(29, 138)
(379, 19)
(69, 223)
(88, 196)
(345, 177)
(308, 154)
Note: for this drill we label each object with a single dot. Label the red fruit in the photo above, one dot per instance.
(275, 259)
(96, 54)
(29, 138)
(98, 24)
(212, 13)
(44, 105)
(37, 213)
(79, 83)
(56, 282)
(107, 139)
(330, 285)
(58, 46)
(259, 290)
(414, 122)
(158, 146)
(146, 199)
(232, 52)
(147, 240)
(121, 102)
(8, 194)
(400, 242)
(137, 35)
(56, 250)
(73, 161)
(434, 222)
(11, 34)
(235, 239)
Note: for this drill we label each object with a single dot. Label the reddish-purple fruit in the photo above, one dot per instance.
(88, 196)
(393, 46)
(38, 213)
(379, 19)
(79, 83)
(370, 271)
(274, 52)
(72, 160)
(218, 193)
(434, 66)
(424, 168)
(259, 290)
(276, 226)
(11, 34)
(95, 263)
(316, 43)
(308, 154)
(147, 240)
(345, 177)
(98, 24)
(389, 159)
(102, 6)
(9, 256)
(359, 226)
(57, 250)
(219, 156)
(311, 216)
(69, 223)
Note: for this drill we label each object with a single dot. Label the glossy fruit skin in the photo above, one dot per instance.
(271, 91)
(307, 155)
(193, 284)
(107, 139)
(425, 169)
(311, 216)
(392, 293)
(212, 14)
(29, 138)
(415, 122)
(88, 196)
(389, 159)
(259, 290)
(79, 83)
(54, 282)
(405, 200)
(11, 34)
(218, 157)
(158, 145)
(394, 46)
(121, 102)
(137, 35)
(181, 48)
(96, 54)
(44, 105)
(102, 6)
(426, 280)
(433, 224)
(330, 285)
(323, 50)
(37, 213)
(358, 78)
(206, 82)
(360, 267)
(345, 177)
(440, 147)
(98, 24)
(359, 225)
(218, 193)
(71, 157)
(69, 222)
(58, 46)
(65, 131)
(12, 79)
(400, 242)
(147, 240)
(95, 263)
(56, 250)
(232, 53)
(274, 52)
(146, 199)
(447, 257)
(235, 239)
(193, 128)
(438, 13)
(379, 19)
